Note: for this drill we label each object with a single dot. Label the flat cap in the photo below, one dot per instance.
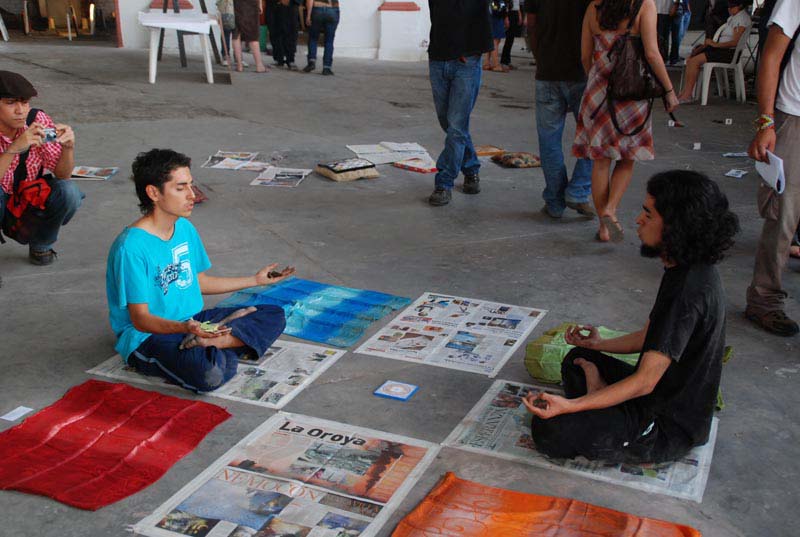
(15, 86)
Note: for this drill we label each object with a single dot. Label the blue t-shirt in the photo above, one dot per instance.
(144, 269)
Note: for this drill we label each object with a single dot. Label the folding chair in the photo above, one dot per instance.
(736, 65)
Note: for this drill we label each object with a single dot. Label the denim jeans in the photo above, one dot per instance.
(203, 369)
(663, 25)
(680, 23)
(323, 19)
(455, 86)
(44, 224)
(554, 99)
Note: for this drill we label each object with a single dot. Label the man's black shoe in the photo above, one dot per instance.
(291, 66)
(775, 322)
(310, 67)
(40, 258)
(472, 184)
(440, 196)
(277, 64)
(327, 71)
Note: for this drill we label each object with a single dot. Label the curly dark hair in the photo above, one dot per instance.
(698, 227)
(612, 12)
(154, 168)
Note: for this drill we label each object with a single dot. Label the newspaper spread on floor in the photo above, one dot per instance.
(455, 332)
(389, 152)
(285, 177)
(499, 425)
(271, 381)
(93, 173)
(297, 475)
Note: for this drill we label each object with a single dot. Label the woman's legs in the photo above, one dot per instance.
(693, 66)
(620, 179)
(600, 190)
(255, 48)
(237, 51)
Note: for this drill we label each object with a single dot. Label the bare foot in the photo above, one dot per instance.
(238, 314)
(594, 381)
(225, 341)
(602, 234)
(794, 251)
(191, 340)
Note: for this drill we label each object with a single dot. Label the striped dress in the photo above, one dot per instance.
(596, 137)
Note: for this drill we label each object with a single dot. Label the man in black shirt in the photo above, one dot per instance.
(554, 29)
(659, 409)
(460, 33)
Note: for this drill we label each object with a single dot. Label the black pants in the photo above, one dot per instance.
(511, 33)
(663, 26)
(286, 26)
(627, 432)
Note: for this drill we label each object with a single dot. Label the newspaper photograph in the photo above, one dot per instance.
(297, 476)
(285, 177)
(455, 332)
(499, 425)
(271, 380)
(93, 173)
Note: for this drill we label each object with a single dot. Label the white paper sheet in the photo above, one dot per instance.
(772, 173)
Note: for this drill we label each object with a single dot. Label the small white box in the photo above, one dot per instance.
(696, 146)
(393, 389)
(728, 121)
(670, 123)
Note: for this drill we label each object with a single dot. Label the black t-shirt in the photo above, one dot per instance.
(558, 38)
(459, 28)
(687, 324)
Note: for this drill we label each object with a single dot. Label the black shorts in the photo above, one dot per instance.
(717, 55)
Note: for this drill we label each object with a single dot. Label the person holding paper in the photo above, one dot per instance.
(156, 276)
(659, 409)
(777, 132)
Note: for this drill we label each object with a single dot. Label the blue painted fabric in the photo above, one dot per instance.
(315, 311)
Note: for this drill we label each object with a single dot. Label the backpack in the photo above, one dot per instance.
(24, 194)
(226, 14)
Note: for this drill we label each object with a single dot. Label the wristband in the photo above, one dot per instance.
(764, 122)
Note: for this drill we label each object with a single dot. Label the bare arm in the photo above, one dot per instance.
(309, 7)
(738, 32)
(144, 321)
(627, 344)
(215, 285)
(587, 40)
(769, 67)
(647, 29)
(642, 382)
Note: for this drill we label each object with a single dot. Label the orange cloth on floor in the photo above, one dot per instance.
(464, 508)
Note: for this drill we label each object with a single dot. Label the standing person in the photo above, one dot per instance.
(36, 161)
(227, 26)
(514, 28)
(247, 13)
(721, 50)
(321, 16)
(554, 28)
(460, 34)
(499, 20)
(661, 408)
(663, 24)
(286, 20)
(156, 276)
(597, 137)
(779, 133)
(678, 26)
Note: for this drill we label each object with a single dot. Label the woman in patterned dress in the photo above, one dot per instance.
(597, 138)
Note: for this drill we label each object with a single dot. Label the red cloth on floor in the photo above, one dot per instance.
(102, 442)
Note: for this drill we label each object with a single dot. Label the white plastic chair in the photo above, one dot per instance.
(3, 29)
(736, 65)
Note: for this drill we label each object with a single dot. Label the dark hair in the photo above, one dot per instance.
(613, 12)
(698, 227)
(154, 168)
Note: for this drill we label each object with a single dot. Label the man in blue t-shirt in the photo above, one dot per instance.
(156, 276)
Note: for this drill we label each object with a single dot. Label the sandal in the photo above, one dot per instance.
(498, 69)
(615, 231)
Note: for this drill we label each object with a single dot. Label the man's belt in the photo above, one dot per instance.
(321, 3)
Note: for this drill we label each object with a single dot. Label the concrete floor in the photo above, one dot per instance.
(382, 235)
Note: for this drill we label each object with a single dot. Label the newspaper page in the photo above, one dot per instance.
(229, 160)
(499, 425)
(455, 332)
(389, 152)
(93, 173)
(275, 176)
(297, 475)
(271, 380)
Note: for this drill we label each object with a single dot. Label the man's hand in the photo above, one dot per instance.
(32, 136)
(193, 327)
(764, 141)
(554, 405)
(575, 336)
(65, 136)
(269, 275)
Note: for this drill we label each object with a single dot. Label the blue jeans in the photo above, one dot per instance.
(323, 19)
(554, 99)
(42, 225)
(680, 23)
(455, 86)
(203, 369)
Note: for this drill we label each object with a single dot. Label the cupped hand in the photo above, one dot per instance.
(555, 405)
(193, 327)
(575, 336)
(269, 274)
(31, 137)
(65, 136)
(672, 102)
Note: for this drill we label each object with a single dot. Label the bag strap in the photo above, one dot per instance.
(21, 171)
(634, 13)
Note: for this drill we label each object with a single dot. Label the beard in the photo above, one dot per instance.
(650, 251)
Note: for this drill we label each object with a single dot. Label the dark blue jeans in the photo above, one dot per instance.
(678, 27)
(554, 100)
(42, 225)
(323, 19)
(455, 86)
(202, 369)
